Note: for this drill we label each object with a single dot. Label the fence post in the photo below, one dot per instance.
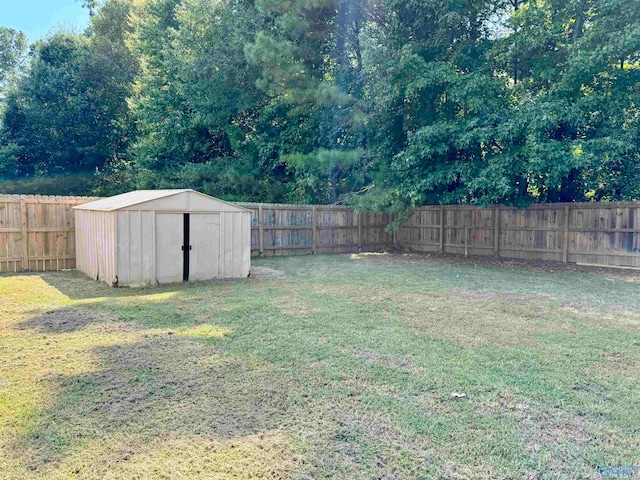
(25, 233)
(314, 225)
(496, 232)
(466, 242)
(565, 236)
(261, 230)
(394, 234)
(359, 217)
(441, 229)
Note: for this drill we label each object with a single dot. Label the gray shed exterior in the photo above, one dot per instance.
(137, 238)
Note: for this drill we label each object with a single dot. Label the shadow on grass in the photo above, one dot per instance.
(64, 320)
(165, 384)
(77, 286)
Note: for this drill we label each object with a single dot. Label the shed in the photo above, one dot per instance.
(148, 237)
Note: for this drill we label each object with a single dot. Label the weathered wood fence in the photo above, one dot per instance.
(605, 234)
(37, 232)
(278, 229)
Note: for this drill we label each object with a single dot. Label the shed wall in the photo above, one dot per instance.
(235, 244)
(136, 248)
(96, 239)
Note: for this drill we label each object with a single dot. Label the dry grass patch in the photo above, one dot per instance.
(625, 364)
(173, 456)
(475, 318)
(77, 379)
(480, 323)
(462, 317)
(265, 273)
(205, 331)
(163, 384)
(294, 304)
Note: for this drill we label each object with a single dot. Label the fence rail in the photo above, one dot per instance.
(37, 232)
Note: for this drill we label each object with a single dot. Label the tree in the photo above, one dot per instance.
(70, 113)
(197, 95)
(13, 47)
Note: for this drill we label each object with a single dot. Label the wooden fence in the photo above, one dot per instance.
(37, 232)
(606, 234)
(278, 229)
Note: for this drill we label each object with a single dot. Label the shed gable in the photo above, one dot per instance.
(188, 201)
(162, 200)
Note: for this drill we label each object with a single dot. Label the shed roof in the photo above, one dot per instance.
(138, 197)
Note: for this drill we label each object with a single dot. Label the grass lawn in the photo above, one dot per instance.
(365, 366)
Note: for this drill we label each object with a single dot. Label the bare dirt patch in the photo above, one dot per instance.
(372, 356)
(551, 435)
(324, 272)
(618, 363)
(547, 434)
(473, 296)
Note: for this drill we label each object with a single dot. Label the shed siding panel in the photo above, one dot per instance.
(246, 244)
(147, 251)
(237, 247)
(123, 248)
(235, 244)
(136, 253)
(227, 248)
(96, 245)
(135, 248)
(81, 241)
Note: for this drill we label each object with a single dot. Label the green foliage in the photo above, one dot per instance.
(71, 184)
(384, 104)
(70, 113)
(13, 45)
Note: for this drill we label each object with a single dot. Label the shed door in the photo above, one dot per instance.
(169, 254)
(204, 260)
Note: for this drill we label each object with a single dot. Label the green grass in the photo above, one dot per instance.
(341, 367)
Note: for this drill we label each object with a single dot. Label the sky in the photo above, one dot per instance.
(37, 17)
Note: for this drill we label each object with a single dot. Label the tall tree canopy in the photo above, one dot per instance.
(70, 113)
(13, 45)
(382, 103)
